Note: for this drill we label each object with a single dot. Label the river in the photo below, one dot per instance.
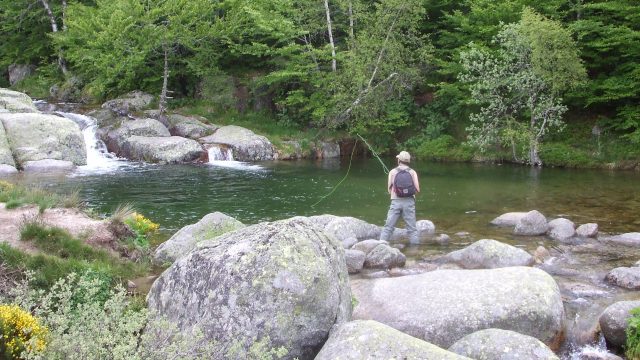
(456, 197)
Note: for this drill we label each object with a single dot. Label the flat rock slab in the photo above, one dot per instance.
(613, 322)
(497, 344)
(47, 165)
(628, 239)
(443, 306)
(508, 219)
(366, 339)
(490, 254)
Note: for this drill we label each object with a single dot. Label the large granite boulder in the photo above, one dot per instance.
(34, 137)
(613, 322)
(268, 286)
(187, 238)
(166, 150)
(626, 277)
(327, 150)
(490, 254)
(246, 145)
(628, 239)
(7, 169)
(587, 230)
(19, 72)
(6, 158)
(16, 102)
(345, 227)
(129, 103)
(443, 306)
(532, 224)
(497, 344)
(189, 126)
(561, 229)
(508, 219)
(117, 138)
(366, 339)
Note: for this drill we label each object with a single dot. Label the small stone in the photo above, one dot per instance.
(541, 254)
(443, 239)
(587, 230)
(367, 245)
(354, 260)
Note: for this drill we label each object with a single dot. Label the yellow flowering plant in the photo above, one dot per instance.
(142, 227)
(20, 332)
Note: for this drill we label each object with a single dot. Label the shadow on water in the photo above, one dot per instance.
(456, 197)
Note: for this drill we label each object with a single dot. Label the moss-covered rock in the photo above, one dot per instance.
(279, 285)
(366, 339)
(16, 102)
(6, 158)
(34, 137)
(187, 238)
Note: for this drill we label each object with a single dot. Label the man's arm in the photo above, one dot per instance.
(390, 181)
(416, 183)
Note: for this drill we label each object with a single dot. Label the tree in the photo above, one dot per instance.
(521, 83)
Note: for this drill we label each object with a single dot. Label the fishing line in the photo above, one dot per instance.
(375, 154)
(343, 179)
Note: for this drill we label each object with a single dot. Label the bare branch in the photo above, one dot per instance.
(345, 114)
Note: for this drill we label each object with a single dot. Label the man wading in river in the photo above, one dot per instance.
(402, 185)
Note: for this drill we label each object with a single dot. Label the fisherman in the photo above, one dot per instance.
(402, 186)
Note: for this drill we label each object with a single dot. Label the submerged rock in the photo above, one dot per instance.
(587, 230)
(268, 286)
(629, 239)
(34, 137)
(366, 339)
(497, 344)
(626, 277)
(490, 254)
(443, 306)
(613, 322)
(532, 224)
(508, 219)
(561, 229)
(187, 238)
(246, 145)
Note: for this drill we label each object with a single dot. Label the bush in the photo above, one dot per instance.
(143, 228)
(632, 347)
(86, 322)
(443, 148)
(558, 154)
(20, 332)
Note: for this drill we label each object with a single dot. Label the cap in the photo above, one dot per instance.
(404, 156)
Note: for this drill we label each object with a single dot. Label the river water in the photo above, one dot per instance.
(456, 197)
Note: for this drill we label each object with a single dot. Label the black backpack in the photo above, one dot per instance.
(403, 183)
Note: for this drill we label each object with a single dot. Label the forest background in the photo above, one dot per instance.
(553, 82)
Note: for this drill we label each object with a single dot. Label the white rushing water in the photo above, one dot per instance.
(219, 156)
(99, 159)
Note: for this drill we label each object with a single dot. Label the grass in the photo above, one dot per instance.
(62, 254)
(15, 196)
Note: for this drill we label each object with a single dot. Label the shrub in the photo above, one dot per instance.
(558, 154)
(20, 332)
(443, 148)
(85, 322)
(632, 347)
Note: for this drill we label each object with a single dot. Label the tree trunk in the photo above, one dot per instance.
(534, 157)
(333, 46)
(162, 107)
(352, 35)
(54, 27)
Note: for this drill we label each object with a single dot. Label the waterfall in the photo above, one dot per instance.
(98, 157)
(217, 153)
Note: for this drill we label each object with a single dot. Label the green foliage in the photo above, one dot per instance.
(20, 332)
(563, 155)
(442, 148)
(143, 228)
(632, 346)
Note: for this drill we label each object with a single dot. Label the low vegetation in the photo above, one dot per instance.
(15, 196)
(632, 347)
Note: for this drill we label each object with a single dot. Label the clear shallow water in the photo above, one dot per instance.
(456, 197)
